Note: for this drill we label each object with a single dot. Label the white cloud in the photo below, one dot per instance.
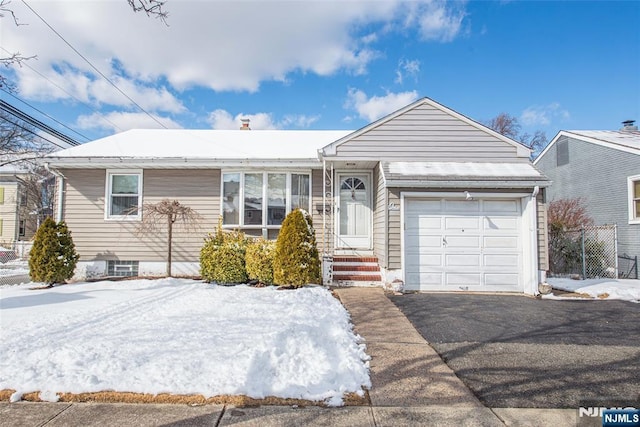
(438, 20)
(407, 68)
(223, 45)
(542, 115)
(121, 121)
(222, 119)
(375, 107)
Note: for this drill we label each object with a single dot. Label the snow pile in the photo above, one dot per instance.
(181, 337)
(622, 289)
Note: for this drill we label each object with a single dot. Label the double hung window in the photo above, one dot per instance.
(124, 195)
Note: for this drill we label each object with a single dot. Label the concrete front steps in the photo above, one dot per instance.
(354, 270)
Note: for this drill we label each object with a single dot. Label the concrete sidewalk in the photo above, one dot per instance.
(411, 386)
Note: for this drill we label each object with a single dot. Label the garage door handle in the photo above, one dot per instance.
(444, 242)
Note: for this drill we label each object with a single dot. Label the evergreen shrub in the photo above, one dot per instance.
(222, 257)
(53, 257)
(259, 260)
(296, 260)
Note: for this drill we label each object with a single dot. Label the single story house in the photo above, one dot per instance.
(424, 195)
(603, 168)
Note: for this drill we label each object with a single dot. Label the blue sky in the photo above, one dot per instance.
(325, 64)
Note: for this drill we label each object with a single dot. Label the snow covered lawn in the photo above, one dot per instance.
(179, 336)
(622, 289)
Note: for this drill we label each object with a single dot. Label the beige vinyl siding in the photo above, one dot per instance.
(8, 212)
(316, 200)
(543, 236)
(427, 133)
(99, 239)
(394, 247)
(379, 217)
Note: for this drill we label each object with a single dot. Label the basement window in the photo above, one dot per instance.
(122, 268)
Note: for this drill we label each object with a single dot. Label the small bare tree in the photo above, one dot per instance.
(568, 214)
(165, 214)
(510, 127)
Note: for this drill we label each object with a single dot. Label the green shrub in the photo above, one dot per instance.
(296, 260)
(259, 260)
(53, 257)
(222, 258)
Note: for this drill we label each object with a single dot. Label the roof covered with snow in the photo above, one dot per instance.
(431, 173)
(181, 144)
(626, 138)
(623, 140)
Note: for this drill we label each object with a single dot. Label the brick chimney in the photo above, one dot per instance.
(245, 124)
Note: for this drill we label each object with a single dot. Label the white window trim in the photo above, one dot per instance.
(107, 195)
(265, 184)
(630, 181)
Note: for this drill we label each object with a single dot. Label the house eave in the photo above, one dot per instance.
(466, 184)
(176, 163)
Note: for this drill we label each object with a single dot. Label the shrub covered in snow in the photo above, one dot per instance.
(222, 258)
(259, 260)
(296, 260)
(53, 257)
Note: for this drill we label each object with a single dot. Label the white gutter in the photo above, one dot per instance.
(60, 191)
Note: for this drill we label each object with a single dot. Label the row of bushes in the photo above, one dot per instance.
(232, 257)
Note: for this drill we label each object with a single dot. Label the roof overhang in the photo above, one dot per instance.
(462, 175)
(589, 139)
(175, 163)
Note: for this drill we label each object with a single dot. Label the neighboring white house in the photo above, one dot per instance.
(424, 195)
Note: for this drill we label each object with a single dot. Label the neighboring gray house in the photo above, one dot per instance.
(424, 195)
(603, 168)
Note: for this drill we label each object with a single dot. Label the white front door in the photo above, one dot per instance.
(354, 211)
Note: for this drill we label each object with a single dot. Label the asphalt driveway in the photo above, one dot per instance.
(515, 351)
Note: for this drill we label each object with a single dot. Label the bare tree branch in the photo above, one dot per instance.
(162, 216)
(510, 127)
(151, 8)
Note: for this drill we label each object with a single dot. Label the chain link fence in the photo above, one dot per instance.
(14, 266)
(590, 252)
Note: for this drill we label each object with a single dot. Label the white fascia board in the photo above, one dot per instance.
(100, 163)
(553, 141)
(400, 183)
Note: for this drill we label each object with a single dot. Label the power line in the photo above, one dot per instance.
(46, 115)
(115, 126)
(36, 123)
(26, 129)
(94, 67)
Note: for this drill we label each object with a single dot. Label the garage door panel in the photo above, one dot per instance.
(507, 261)
(500, 223)
(462, 223)
(423, 241)
(511, 207)
(428, 223)
(423, 206)
(501, 279)
(462, 260)
(464, 206)
(462, 279)
(415, 281)
(501, 242)
(457, 242)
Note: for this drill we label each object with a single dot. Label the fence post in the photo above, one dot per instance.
(615, 250)
(584, 256)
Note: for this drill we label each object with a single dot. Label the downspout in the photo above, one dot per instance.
(60, 179)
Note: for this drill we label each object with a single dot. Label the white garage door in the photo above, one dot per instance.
(456, 245)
